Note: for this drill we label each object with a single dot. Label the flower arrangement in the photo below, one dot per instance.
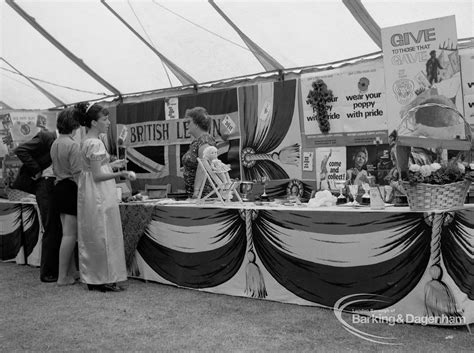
(318, 98)
(440, 173)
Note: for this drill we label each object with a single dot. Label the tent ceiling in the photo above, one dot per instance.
(189, 33)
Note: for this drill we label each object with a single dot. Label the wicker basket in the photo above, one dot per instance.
(427, 197)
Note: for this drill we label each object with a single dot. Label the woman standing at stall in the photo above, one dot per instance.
(199, 129)
(100, 238)
(66, 162)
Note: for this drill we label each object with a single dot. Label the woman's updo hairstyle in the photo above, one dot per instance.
(200, 118)
(88, 112)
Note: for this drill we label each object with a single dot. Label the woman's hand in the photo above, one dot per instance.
(124, 174)
(119, 163)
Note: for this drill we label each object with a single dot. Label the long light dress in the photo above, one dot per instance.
(100, 238)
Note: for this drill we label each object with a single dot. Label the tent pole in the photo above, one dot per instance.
(55, 100)
(268, 62)
(360, 13)
(61, 47)
(182, 75)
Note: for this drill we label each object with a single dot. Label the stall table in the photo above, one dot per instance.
(391, 263)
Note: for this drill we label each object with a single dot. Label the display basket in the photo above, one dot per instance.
(449, 131)
(425, 197)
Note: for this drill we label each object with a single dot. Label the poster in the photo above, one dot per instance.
(21, 125)
(6, 139)
(467, 73)
(365, 161)
(421, 64)
(357, 110)
(271, 134)
(26, 124)
(330, 167)
(17, 127)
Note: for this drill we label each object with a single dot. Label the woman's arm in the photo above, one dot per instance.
(198, 180)
(200, 175)
(99, 175)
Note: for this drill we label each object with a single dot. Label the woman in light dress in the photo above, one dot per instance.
(100, 238)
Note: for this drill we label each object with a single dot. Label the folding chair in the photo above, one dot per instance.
(223, 190)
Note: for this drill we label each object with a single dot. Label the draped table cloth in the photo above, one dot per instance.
(20, 233)
(393, 264)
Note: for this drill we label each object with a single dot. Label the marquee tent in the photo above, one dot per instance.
(122, 48)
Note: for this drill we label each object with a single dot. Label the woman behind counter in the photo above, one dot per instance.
(199, 129)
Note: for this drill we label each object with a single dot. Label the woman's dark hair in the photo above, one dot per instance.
(200, 118)
(89, 112)
(68, 121)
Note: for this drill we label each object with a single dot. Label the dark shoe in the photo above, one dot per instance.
(49, 279)
(97, 287)
(112, 287)
(105, 287)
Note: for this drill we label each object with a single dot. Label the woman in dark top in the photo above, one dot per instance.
(199, 129)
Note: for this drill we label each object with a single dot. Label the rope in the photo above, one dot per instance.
(51, 83)
(260, 157)
(438, 220)
(201, 27)
(248, 228)
(150, 40)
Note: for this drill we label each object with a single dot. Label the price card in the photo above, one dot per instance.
(229, 124)
(308, 161)
(171, 108)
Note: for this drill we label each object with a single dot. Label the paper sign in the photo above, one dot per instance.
(171, 108)
(308, 161)
(330, 167)
(124, 133)
(228, 123)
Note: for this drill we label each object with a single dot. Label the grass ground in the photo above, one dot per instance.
(37, 316)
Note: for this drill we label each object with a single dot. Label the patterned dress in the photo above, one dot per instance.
(190, 163)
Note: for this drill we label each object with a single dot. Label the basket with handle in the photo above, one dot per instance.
(457, 136)
(425, 197)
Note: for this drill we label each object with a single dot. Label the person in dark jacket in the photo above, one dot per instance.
(432, 66)
(36, 177)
